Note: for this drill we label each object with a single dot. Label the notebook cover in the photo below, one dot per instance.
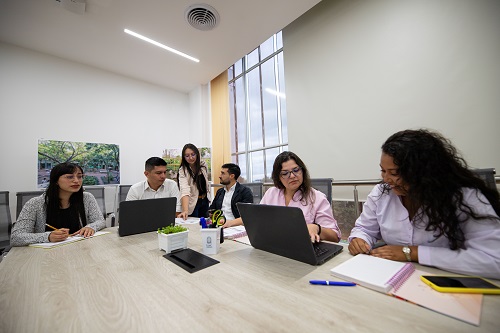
(190, 260)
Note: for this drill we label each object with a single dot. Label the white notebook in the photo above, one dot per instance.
(71, 239)
(402, 280)
(235, 232)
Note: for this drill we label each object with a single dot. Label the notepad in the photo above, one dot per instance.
(235, 232)
(402, 280)
(69, 240)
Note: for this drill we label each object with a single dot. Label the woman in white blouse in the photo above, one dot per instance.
(193, 183)
(430, 208)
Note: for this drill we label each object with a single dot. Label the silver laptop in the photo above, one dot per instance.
(139, 216)
(283, 231)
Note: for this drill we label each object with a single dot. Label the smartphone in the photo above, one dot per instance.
(460, 284)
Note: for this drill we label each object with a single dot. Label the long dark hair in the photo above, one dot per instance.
(185, 165)
(52, 201)
(307, 194)
(434, 174)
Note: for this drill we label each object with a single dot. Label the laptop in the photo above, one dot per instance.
(139, 216)
(282, 230)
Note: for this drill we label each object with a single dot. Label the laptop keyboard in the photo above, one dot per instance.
(318, 250)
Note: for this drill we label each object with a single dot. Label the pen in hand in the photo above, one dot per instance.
(51, 227)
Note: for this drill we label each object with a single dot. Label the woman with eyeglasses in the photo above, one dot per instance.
(193, 183)
(293, 188)
(430, 208)
(63, 210)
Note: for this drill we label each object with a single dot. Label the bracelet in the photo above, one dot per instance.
(319, 230)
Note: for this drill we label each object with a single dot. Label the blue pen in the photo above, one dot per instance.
(333, 283)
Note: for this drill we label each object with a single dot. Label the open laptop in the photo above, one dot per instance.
(138, 216)
(283, 231)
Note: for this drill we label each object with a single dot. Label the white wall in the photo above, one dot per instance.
(47, 97)
(357, 71)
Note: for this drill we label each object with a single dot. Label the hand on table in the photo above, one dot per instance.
(84, 232)
(358, 245)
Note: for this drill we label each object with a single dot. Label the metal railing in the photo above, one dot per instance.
(355, 184)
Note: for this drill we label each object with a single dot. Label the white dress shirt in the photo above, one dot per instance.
(142, 190)
(226, 203)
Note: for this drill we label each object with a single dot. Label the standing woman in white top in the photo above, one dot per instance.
(193, 183)
(430, 208)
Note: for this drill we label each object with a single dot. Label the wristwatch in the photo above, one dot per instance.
(406, 251)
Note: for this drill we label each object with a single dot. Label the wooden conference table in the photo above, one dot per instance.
(114, 284)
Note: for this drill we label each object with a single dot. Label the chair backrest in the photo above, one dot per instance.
(488, 175)
(256, 190)
(98, 193)
(23, 197)
(122, 193)
(323, 185)
(5, 220)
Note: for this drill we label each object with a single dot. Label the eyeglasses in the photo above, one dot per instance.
(72, 177)
(296, 172)
(190, 155)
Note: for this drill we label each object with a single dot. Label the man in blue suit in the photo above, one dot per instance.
(232, 193)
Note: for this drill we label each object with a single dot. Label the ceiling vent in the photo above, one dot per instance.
(74, 6)
(202, 17)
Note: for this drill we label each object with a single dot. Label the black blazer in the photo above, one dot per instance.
(241, 194)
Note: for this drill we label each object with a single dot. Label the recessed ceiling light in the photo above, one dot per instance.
(149, 40)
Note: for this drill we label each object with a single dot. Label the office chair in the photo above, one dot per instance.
(488, 175)
(23, 197)
(5, 223)
(98, 193)
(323, 185)
(122, 196)
(256, 190)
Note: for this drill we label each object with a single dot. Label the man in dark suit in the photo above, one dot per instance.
(232, 193)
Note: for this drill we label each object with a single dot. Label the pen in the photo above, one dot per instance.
(51, 227)
(333, 283)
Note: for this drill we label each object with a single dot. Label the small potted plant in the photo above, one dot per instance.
(172, 238)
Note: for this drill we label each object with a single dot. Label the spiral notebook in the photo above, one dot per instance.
(235, 232)
(402, 280)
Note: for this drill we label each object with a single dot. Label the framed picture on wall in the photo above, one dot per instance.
(100, 161)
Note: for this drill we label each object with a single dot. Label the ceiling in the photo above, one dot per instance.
(97, 37)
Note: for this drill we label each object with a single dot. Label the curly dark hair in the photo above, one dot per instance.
(305, 187)
(434, 174)
(52, 201)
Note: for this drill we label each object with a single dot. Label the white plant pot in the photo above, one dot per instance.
(170, 242)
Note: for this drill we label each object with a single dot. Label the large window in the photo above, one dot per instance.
(258, 110)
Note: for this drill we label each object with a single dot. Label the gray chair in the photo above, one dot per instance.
(122, 196)
(488, 175)
(256, 190)
(5, 221)
(98, 193)
(23, 197)
(323, 185)
(122, 193)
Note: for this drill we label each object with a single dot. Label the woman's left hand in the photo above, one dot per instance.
(391, 252)
(85, 232)
(313, 232)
